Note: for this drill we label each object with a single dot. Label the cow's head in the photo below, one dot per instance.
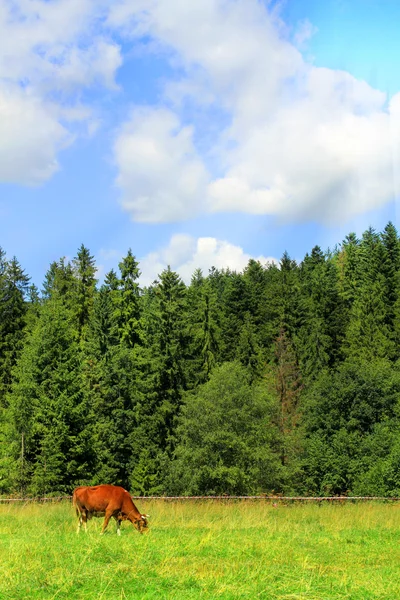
(141, 524)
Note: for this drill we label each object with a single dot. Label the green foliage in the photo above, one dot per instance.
(285, 381)
(47, 407)
(85, 282)
(283, 376)
(13, 309)
(127, 302)
(203, 328)
(342, 410)
(228, 437)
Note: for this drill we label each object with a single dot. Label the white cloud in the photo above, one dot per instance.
(30, 137)
(55, 44)
(304, 31)
(185, 254)
(302, 142)
(295, 141)
(160, 173)
(50, 52)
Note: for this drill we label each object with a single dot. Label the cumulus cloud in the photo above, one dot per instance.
(245, 123)
(50, 52)
(301, 142)
(185, 254)
(160, 173)
(30, 137)
(55, 44)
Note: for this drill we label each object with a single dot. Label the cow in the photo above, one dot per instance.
(107, 501)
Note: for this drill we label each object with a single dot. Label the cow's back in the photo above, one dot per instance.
(99, 498)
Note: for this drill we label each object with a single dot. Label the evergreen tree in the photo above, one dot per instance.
(14, 285)
(163, 380)
(390, 268)
(288, 296)
(171, 346)
(347, 262)
(59, 282)
(248, 350)
(368, 334)
(235, 303)
(110, 377)
(203, 328)
(319, 337)
(84, 271)
(48, 409)
(128, 302)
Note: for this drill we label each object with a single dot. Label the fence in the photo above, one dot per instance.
(272, 499)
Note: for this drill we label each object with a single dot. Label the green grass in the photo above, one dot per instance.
(204, 550)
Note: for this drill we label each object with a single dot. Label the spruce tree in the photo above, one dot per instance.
(128, 307)
(48, 408)
(203, 329)
(112, 382)
(320, 336)
(84, 271)
(60, 282)
(368, 334)
(14, 285)
(164, 375)
(171, 345)
(235, 304)
(248, 350)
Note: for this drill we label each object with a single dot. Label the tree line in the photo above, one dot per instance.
(278, 379)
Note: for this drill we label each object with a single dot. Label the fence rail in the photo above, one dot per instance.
(273, 499)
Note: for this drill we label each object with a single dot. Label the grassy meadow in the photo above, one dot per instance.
(204, 550)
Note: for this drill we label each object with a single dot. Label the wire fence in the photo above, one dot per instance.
(223, 498)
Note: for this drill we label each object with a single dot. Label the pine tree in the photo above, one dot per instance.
(203, 328)
(248, 350)
(59, 281)
(319, 337)
(391, 273)
(236, 303)
(348, 269)
(368, 334)
(14, 285)
(84, 270)
(163, 380)
(171, 351)
(110, 384)
(128, 302)
(48, 408)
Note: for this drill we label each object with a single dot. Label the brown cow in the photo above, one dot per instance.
(107, 501)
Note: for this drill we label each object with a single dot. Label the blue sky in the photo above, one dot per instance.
(197, 135)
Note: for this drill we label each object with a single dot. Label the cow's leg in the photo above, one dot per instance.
(106, 521)
(118, 525)
(84, 519)
(79, 523)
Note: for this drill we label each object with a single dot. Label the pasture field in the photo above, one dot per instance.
(198, 550)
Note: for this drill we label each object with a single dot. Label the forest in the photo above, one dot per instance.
(283, 378)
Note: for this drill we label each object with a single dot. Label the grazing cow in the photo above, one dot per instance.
(107, 501)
